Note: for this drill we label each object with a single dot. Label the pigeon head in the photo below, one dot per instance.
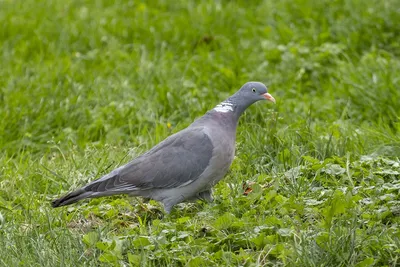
(250, 93)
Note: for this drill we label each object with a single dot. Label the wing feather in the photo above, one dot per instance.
(177, 161)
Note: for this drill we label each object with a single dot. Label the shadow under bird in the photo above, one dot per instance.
(186, 165)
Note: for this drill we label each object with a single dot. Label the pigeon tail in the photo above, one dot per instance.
(71, 198)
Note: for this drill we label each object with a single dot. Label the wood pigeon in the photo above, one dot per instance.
(186, 165)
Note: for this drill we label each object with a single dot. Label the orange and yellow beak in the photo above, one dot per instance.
(269, 97)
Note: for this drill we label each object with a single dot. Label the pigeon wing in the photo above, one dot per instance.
(177, 161)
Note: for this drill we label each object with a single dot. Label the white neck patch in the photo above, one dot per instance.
(224, 107)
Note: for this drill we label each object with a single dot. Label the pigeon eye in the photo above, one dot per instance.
(254, 90)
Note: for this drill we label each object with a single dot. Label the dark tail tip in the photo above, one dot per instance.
(57, 203)
(70, 198)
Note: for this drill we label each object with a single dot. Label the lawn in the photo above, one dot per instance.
(85, 86)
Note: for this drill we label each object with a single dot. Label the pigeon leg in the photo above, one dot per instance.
(169, 203)
(168, 208)
(206, 195)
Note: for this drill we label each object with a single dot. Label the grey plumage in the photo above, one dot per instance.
(186, 165)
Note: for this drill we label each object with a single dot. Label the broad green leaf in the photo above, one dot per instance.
(91, 238)
(366, 262)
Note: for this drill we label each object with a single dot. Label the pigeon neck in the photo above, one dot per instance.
(225, 107)
(230, 106)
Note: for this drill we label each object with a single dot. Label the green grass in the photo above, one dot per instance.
(87, 85)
